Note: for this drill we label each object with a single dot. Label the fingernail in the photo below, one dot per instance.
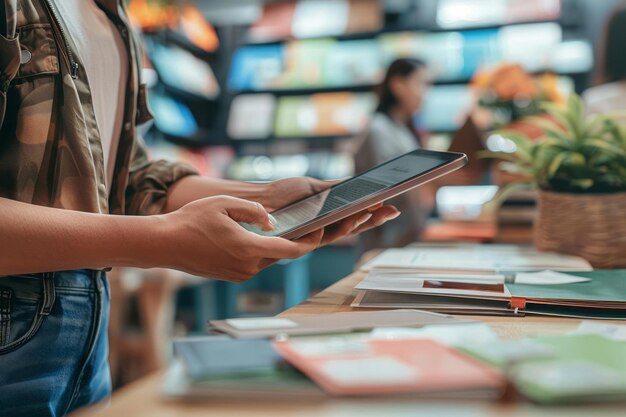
(272, 219)
(393, 216)
(365, 217)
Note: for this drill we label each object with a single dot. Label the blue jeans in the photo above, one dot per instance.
(53, 342)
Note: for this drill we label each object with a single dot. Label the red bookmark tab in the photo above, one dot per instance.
(518, 303)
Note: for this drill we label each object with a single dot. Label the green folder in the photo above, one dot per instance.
(604, 297)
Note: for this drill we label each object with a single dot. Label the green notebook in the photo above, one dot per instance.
(561, 369)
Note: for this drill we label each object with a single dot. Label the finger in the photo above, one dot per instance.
(319, 185)
(279, 248)
(313, 239)
(375, 207)
(345, 226)
(380, 217)
(267, 262)
(295, 189)
(247, 212)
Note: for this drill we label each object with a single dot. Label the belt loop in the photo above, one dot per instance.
(97, 279)
(49, 294)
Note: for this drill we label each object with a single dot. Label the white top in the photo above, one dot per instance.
(102, 52)
(389, 138)
(607, 98)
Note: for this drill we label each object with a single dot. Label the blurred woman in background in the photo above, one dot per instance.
(390, 134)
(609, 92)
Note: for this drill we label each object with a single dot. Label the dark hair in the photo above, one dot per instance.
(402, 67)
(612, 52)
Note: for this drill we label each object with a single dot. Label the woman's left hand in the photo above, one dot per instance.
(283, 192)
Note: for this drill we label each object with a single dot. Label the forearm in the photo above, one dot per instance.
(195, 187)
(39, 239)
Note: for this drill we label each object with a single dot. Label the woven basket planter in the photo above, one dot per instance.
(592, 226)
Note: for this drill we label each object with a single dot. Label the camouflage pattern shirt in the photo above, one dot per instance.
(50, 148)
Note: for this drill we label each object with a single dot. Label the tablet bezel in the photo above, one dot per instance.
(457, 161)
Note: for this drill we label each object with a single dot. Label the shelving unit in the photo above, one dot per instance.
(302, 65)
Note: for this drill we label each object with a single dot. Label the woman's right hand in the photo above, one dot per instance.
(205, 239)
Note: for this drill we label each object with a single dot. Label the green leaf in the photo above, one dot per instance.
(584, 183)
(556, 164)
(560, 135)
(544, 123)
(505, 192)
(593, 123)
(561, 115)
(576, 158)
(556, 143)
(598, 143)
(615, 131)
(575, 104)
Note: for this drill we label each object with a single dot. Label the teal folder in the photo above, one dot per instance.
(604, 297)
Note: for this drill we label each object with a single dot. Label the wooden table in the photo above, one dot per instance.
(142, 397)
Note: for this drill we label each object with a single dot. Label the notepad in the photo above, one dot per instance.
(370, 367)
(311, 324)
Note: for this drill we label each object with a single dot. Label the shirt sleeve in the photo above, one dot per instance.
(149, 181)
(9, 54)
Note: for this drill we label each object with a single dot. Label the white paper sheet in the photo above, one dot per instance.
(473, 261)
(613, 331)
(547, 278)
(261, 323)
(456, 335)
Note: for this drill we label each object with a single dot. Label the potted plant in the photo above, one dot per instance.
(578, 166)
(507, 95)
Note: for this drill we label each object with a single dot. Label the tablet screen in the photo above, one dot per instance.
(367, 184)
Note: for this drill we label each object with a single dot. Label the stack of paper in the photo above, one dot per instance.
(485, 279)
(244, 364)
(364, 363)
(473, 259)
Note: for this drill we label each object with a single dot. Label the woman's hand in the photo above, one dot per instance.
(283, 192)
(205, 239)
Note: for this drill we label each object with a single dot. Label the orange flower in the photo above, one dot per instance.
(482, 79)
(548, 84)
(511, 81)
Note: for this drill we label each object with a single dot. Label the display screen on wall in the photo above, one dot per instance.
(455, 99)
(171, 116)
(251, 116)
(256, 68)
(325, 114)
(182, 70)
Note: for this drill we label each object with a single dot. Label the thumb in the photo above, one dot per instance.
(320, 185)
(247, 212)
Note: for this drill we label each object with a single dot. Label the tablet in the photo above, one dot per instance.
(358, 193)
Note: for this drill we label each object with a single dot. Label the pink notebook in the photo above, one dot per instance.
(343, 366)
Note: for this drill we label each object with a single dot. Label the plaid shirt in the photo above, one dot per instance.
(50, 148)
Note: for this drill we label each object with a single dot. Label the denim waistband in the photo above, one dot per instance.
(30, 285)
